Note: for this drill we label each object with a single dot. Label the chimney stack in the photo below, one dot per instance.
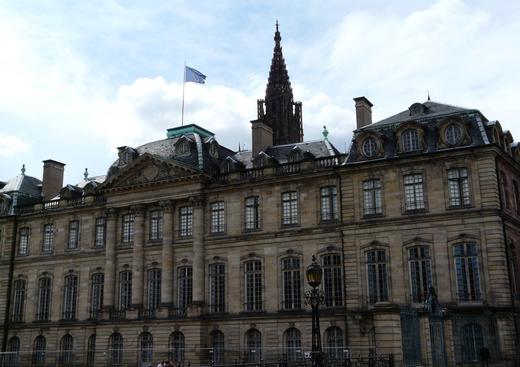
(262, 136)
(363, 111)
(52, 178)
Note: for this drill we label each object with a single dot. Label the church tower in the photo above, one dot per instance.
(278, 111)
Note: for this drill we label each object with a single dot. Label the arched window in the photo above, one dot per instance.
(410, 140)
(115, 349)
(377, 276)
(44, 299)
(18, 301)
(91, 350)
(13, 352)
(468, 276)
(176, 347)
(334, 345)
(253, 352)
(146, 347)
(154, 289)
(217, 346)
(419, 263)
(291, 283)
(332, 280)
(70, 297)
(293, 344)
(40, 345)
(370, 147)
(96, 294)
(453, 134)
(472, 342)
(66, 350)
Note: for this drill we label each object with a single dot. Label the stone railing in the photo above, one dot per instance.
(53, 205)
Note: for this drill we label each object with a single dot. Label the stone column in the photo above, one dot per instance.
(138, 257)
(167, 254)
(110, 260)
(198, 254)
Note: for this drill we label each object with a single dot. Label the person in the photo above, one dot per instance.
(161, 364)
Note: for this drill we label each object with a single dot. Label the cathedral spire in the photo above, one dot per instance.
(278, 110)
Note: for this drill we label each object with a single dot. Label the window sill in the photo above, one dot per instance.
(329, 221)
(373, 216)
(458, 207)
(217, 234)
(291, 225)
(252, 230)
(415, 211)
(154, 242)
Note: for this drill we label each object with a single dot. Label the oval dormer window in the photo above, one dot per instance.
(453, 134)
(370, 147)
(410, 140)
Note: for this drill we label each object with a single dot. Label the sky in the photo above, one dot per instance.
(79, 79)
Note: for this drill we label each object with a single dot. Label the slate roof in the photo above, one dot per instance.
(27, 185)
(434, 109)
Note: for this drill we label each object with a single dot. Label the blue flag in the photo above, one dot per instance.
(192, 75)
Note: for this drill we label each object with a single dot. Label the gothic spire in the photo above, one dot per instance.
(281, 113)
(278, 76)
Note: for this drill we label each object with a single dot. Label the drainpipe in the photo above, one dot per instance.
(508, 259)
(9, 284)
(338, 175)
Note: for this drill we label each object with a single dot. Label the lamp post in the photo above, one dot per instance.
(314, 298)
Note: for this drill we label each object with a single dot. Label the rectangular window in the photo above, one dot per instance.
(467, 269)
(420, 272)
(329, 204)
(125, 290)
(217, 287)
(252, 213)
(73, 234)
(156, 225)
(505, 189)
(253, 285)
(154, 289)
(217, 217)
(48, 238)
(23, 246)
(372, 202)
(18, 306)
(185, 287)
(70, 297)
(458, 187)
(332, 280)
(186, 221)
(128, 228)
(414, 192)
(96, 294)
(517, 197)
(100, 235)
(44, 299)
(292, 293)
(290, 208)
(377, 276)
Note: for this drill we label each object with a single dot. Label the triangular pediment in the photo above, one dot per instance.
(147, 170)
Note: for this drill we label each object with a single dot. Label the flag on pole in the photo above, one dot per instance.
(192, 75)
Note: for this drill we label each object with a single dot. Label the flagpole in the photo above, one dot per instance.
(183, 86)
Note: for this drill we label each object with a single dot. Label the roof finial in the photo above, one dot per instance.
(239, 146)
(23, 169)
(428, 95)
(277, 37)
(325, 132)
(277, 24)
(85, 174)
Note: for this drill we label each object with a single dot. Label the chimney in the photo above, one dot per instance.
(363, 112)
(262, 136)
(52, 178)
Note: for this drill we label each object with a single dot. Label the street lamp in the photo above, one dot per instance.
(314, 298)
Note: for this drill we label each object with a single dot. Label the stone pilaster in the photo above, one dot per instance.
(167, 254)
(138, 257)
(198, 253)
(110, 259)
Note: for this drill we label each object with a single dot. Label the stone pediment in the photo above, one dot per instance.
(148, 169)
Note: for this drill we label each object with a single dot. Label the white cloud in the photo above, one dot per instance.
(11, 145)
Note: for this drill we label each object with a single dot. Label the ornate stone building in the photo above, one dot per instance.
(190, 251)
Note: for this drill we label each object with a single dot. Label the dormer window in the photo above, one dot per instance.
(295, 155)
(370, 147)
(453, 134)
(126, 155)
(182, 147)
(213, 149)
(410, 140)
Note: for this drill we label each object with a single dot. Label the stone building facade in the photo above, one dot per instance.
(190, 251)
